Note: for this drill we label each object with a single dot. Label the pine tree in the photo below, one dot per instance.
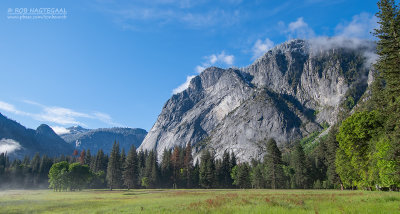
(88, 158)
(226, 170)
(114, 167)
(241, 175)
(274, 174)
(188, 165)
(166, 169)
(257, 176)
(388, 49)
(101, 162)
(299, 164)
(388, 45)
(151, 170)
(207, 170)
(176, 165)
(131, 171)
(45, 165)
(35, 165)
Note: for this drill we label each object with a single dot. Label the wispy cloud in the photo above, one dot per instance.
(299, 29)
(221, 59)
(105, 118)
(11, 108)
(58, 115)
(261, 47)
(348, 34)
(360, 26)
(162, 12)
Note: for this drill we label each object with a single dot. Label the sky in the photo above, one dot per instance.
(108, 63)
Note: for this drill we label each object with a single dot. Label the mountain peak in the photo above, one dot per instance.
(293, 90)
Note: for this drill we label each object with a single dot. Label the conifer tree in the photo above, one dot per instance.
(274, 174)
(114, 167)
(299, 164)
(226, 170)
(88, 158)
(176, 165)
(207, 170)
(188, 165)
(166, 169)
(131, 171)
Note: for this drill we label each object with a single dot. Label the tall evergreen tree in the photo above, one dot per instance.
(88, 158)
(131, 170)
(241, 175)
(257, 176)
(176, 165)
(274, 175)
(388, 64)
(35, 169)
(166, 169)
(300, 166)
(226, 170)
(114, 167)
(188, 165)
(207, 170)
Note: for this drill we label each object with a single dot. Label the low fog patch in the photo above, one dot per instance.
(9, 146)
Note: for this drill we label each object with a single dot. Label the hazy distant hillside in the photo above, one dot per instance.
(19, 141)
(95, 139)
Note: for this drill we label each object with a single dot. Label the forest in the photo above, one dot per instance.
(362, 151)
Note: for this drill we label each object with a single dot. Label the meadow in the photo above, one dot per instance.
(199, 201)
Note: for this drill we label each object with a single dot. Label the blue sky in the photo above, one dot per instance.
(115, 63)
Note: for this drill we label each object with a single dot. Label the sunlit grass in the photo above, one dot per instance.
(199, 201)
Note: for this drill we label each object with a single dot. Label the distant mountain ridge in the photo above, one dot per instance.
(20, 141)
(28, 141)
(103, 138)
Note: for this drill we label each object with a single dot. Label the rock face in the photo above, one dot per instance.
(290, 92)
(95, 139)
(20, 141)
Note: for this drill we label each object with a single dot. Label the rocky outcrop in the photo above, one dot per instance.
(290, 92)
(103, 138)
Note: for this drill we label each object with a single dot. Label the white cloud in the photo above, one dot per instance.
(325, 43)
(184, 86)
(58, 115)
(353, 34)
(106, 118)
(221, 58)
(299, 29)
(360, 26)
(60, 130)
(11, 108)
(213, 59)
(183, 13)
(261, 47)
(9, 146)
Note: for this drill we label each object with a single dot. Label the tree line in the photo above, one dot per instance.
(176, 168)
(361, 151)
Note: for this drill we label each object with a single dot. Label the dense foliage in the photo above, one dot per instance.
(176, 169)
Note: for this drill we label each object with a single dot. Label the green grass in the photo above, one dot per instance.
(199, 201)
